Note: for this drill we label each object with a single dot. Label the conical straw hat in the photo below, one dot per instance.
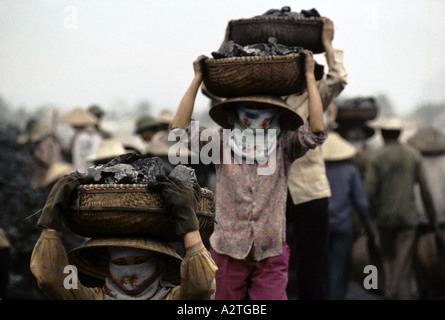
(56, 171)
(428, 140)
(390, 122)
(220, 112)
(165, 116)
(80, 117)
(92, 257)
(145, 122)
(159, 145)
(335, 148)
(34, 132)
(96, 110)
(108, 149)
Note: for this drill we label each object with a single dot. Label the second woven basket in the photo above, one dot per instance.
(240, 76)
(128, 209)
(290, 31)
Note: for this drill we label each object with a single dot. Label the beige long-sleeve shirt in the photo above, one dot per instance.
(307, 177)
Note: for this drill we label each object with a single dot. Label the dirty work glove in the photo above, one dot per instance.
(59, 199)
(181, 199)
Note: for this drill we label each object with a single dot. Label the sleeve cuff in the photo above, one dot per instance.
(338, 56)
(194, 249)
(50, 233)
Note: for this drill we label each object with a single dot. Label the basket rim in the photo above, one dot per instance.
(125, 187)
(250, 59)
(312, 20)
(128, 209)
(206, 196)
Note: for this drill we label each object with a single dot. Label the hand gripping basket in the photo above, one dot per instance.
(239, 76)
(289, 31)
(128, 209)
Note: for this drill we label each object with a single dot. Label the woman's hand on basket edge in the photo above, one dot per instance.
(181, 199)
(309, 62)
(327, 34)
(197, 64)
(58, 200)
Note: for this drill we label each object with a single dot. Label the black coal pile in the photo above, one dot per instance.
(132, 168)
(19, 204)
(18, 201)
(272, 48)
(129, 168)
(287, 12)
(184, 173)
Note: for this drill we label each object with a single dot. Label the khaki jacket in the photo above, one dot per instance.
(392, 173)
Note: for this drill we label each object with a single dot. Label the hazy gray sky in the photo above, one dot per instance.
(120, 52)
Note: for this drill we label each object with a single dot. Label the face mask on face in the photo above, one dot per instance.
(133, 280)
(255, 133)
(257, 118)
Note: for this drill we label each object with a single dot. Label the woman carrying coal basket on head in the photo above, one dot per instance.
(248, 241)
(133, 268)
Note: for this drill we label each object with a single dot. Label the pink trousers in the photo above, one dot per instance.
(251, 280)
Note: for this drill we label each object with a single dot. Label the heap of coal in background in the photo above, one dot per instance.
(18, 201)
